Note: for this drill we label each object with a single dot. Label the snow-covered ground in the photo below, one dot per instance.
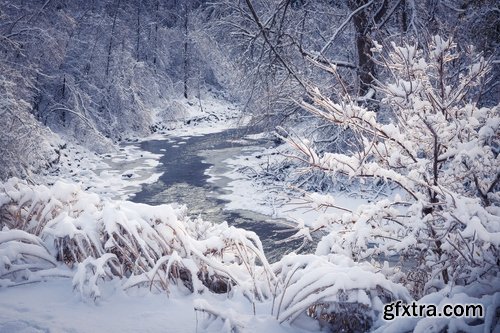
(54, 307)
(195, 117)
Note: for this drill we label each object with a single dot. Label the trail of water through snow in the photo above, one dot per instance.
(184, 180)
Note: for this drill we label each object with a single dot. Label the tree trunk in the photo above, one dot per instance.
(138, 41)
(110, 47)
(366, 65)
(404, 17)
(155, 40)
(186, 55)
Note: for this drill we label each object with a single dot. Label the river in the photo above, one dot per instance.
(184, 162)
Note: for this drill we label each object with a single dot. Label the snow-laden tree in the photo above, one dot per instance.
(440, 149)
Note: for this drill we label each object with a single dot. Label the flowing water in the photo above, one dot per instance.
(184, 163)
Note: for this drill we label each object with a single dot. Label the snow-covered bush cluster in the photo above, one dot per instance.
(334, 290)
(43, 228)
(438, 147)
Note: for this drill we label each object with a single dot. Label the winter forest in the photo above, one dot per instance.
(250, 166)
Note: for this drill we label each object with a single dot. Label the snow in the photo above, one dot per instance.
(210, 115)
(271, 198)
(117, 174)
(52, 306)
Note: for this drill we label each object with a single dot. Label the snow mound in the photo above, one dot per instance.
(62, 227)
(334, 290)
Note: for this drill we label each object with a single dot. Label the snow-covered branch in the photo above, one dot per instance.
(431, 140)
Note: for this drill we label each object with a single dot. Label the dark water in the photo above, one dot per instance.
(184, 181)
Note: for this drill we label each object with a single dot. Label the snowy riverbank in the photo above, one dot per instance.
(122, 172)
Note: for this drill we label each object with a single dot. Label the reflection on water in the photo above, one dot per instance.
(184, 181)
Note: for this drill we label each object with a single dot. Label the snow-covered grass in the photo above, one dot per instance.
(112, 251)
(101, 244)
(105, 239)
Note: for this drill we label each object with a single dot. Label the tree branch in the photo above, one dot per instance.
(342, 26)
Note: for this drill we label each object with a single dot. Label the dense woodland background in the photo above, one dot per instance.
(96, 71)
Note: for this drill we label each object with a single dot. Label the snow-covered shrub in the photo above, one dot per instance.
(334, 290)
(439, 146)
(144, 245)
(22, 255)
(91, 271)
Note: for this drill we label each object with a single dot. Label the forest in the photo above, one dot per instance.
(249, 165)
